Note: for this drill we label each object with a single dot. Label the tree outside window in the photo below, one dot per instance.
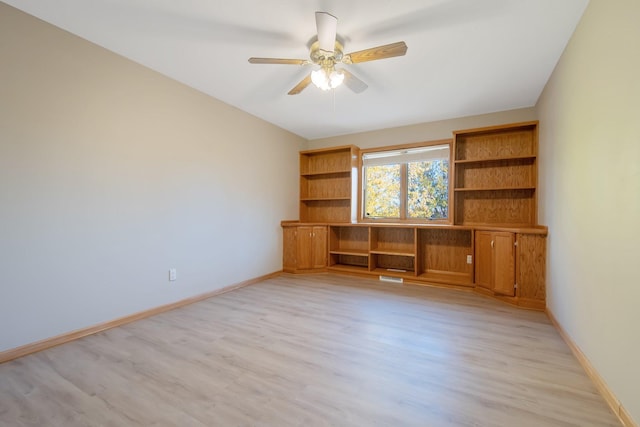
(407, 184)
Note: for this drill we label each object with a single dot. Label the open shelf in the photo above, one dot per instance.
(327, 210)
(392, 252)
(392, 264)
(511, 141)
(349, 248)
(327, 172)
(514, 207)
(393, 241)
(353, 252)
(349, 268)
(315, 162)
(310, 199)
(495, 178)
(443, 256)
(518, 173)
(352, 262)
(495, 160)
(325, 186)
(496, 188)
(327, 183)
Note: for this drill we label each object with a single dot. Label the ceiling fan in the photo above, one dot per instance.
(327, 51)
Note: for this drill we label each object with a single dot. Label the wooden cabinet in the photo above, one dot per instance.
(305, 248)
(496, 175)
(327, 184)
(531, 256)
(494, 244)
(508, 263)
(495, 261)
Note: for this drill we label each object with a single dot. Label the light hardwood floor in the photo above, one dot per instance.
(317, 350)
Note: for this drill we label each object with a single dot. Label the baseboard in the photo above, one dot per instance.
(601, 385)
(26, 349)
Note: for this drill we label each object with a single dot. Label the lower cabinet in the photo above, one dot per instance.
(507, 264)
(305, 248)
(496, 261)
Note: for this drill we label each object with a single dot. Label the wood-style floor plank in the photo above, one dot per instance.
(316, 350)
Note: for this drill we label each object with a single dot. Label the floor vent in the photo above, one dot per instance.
(391, 279)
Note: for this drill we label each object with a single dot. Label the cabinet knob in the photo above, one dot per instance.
(492, 243)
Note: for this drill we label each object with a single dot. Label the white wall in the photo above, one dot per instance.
(590, 192)
(110, 174)
(429, 131)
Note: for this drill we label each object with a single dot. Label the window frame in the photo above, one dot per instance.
(404, 185)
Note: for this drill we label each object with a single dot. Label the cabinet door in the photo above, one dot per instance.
(484, 259)
(504, 274)
(495, 261)
(319, 247)
(304, 244)
(289, 248)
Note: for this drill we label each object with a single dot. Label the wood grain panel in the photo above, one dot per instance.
(504, 207)
(531, 266)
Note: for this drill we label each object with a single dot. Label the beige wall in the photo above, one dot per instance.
(110, 174)
(430, 131)
(590, 192)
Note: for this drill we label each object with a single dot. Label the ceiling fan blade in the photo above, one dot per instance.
(278, 61)
(353, 83)
(300, 86)
(327, 26)
(380, 52)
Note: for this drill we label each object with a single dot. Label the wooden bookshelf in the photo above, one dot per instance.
(327, 183)
(495, 179)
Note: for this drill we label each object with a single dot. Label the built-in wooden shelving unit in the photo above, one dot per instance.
(327, 183)
(494, 244)
(438, 254)
(496, 175)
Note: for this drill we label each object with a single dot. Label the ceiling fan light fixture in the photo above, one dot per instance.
(326, 51)
(327, 79)
(336, 78)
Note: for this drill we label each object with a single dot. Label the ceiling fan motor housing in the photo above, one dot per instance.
(325, 58)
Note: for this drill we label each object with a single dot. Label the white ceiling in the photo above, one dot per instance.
(464, 57)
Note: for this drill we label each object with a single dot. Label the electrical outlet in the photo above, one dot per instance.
(172, 274)
(469, 259)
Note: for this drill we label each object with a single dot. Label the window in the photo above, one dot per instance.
(406, 184)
